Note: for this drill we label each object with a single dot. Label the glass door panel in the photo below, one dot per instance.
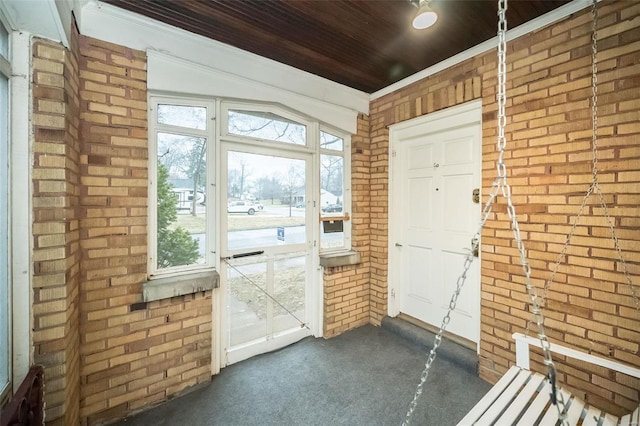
(289, 288)
(267, 251)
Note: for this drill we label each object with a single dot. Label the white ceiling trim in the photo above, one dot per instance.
(526, 28)
(106, 22)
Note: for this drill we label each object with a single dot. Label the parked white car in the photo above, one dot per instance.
(247, 207)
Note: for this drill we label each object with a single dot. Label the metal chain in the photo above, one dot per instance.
(453, 302)
(499, 183)
(594, 187)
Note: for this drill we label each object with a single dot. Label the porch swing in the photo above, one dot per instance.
(522, 396)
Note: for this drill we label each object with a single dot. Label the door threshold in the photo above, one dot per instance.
(469, 344)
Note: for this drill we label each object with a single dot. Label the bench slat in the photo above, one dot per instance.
(523, 399)
(575, 411)
(537, 406)
(490, 397)
(592, 417)
(504, 400)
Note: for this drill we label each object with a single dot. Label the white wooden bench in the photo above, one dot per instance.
(521, 396)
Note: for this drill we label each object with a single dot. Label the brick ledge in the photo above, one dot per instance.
(165, 288)
(343, 258)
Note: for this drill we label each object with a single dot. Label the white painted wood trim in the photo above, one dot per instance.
(592, 359)
(40, 18)
(21, 209)
(200, 80)
(533, 25)
(465, 114)
(109, 23)
(522, 353)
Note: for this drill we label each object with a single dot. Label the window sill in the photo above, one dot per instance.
(165, 288)
(342, 258)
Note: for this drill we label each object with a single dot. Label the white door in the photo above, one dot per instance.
(435, 170)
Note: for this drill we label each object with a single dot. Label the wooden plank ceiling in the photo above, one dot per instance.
(364, 44)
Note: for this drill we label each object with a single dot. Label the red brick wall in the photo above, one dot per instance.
(56, 254)
(549, 161)
(130, 357)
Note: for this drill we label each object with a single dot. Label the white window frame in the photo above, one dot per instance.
(6, 345)
(346, 185)
(314, 127)
(311, 138)
(210, 192)
(20, 206)
(214, 133)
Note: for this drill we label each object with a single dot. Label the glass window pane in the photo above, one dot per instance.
(289, 283)
(5, 339)
(266, 125)
(247, 284)
(265, 194)
(4, 42)
(329, 141)
(181, 191)
(183, 116)
(331, 199)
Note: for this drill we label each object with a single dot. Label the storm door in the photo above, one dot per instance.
(266, 248)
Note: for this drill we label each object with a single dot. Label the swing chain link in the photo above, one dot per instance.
(594, 87)
(556, 397)
(594, 187)
(500, 183)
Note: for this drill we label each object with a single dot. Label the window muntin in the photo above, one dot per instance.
(266, 125)
(181, 230)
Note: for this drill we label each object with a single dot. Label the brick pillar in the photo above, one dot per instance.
(56, 254)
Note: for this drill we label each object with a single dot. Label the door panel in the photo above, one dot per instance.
(435, 171)
(420, 267)
(266, 252)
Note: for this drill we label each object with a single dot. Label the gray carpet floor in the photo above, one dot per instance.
(365, 376)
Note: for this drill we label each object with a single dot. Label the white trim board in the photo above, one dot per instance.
(524, 29)
(109, 23)
(21, 209)
(41, 18)
(201, 80)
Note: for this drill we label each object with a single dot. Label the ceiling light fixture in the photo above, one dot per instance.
(425, 17)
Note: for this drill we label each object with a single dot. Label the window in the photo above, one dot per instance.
(181, 225)
(267, 126)
(182, 169)
(5, 217)
(334, 191)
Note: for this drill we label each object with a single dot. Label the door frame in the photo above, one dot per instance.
(463, 115)
(313, 295)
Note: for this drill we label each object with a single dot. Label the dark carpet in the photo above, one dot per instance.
(365, 376)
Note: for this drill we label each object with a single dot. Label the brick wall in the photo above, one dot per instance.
(346, 288)
(549, 160)
(56, 254)
(132, 354)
